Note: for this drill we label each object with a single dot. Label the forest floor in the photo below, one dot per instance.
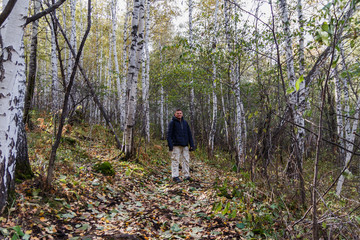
(139, 201)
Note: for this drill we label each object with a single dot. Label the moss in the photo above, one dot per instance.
(105, 168)
(68, 140)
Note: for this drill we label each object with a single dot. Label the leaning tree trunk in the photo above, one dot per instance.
(12, 83)
(64, 114)
(133, 72)
(214, 97)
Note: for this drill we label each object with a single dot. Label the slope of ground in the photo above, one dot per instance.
(140, 201)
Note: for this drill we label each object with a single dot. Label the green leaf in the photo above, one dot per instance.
(240, 225)
(325, 27)
(175, 228)
(290, 90)
(84, 227)
(218, 207)
(4, 231)
(17, 229)
(26, 237)
(298, 82)
(324, 37)
(226, 209)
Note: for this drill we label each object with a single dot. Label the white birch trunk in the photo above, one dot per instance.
(12, 83)
(115, 56)
(225, 116)
(301, 94)
(192, 91)
(124, 67)
(72, 37)
(240, 122)
(146, 73)
(162, 126)
(134, 64)
(350, 132)
(214, 97)
(109, 79)
(339, 114)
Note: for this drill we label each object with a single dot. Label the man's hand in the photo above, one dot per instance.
(191, 149)
(170, 149)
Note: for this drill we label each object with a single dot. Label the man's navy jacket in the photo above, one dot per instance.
(179, 134)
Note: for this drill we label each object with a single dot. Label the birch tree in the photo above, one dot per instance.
(12, 83)
(115, 56)
(124, 67)
(162, 98)
(146, 75)
(136, 50)
(192, 91)
(54, 70)
(214, 79)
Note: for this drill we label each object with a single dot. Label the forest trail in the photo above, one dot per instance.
(157, 208)
(139, 202)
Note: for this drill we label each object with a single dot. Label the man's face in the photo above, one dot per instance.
(178, 114)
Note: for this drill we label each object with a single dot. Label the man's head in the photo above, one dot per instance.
(178, 113)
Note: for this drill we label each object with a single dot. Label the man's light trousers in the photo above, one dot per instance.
(180, 153)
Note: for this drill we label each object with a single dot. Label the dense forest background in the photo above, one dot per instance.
(269, 88)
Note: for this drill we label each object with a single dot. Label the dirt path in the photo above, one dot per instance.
(156, 208)
(133, 204)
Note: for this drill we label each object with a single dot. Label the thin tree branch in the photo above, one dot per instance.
(7, 10)
(45, 12)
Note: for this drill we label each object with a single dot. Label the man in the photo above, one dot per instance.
(179, 137)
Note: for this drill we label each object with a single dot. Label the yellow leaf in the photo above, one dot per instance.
(43, 219)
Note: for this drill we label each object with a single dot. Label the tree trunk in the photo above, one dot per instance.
(192, 91)
(51, 167)
(12, 84)
(162, 126)
(54, 72)
(133, 72)
(32, 66)
(214, 79)
(146, 74)
(124, 67)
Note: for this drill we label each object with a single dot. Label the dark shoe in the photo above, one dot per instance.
(176, 180)
(188, 179)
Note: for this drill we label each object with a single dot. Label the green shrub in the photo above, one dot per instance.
(105, 168)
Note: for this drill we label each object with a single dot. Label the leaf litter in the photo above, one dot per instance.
(139, 202)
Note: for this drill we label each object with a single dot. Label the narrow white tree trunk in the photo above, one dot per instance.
(192, 91)
(115, 56)
(124, 67)
(145, 78)
(339, 113)
(214, 79)
(134, 64)
(12, 83)
(301, 93)
(110, 77)
(350, 132)
(162, 126)
(72, 36)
